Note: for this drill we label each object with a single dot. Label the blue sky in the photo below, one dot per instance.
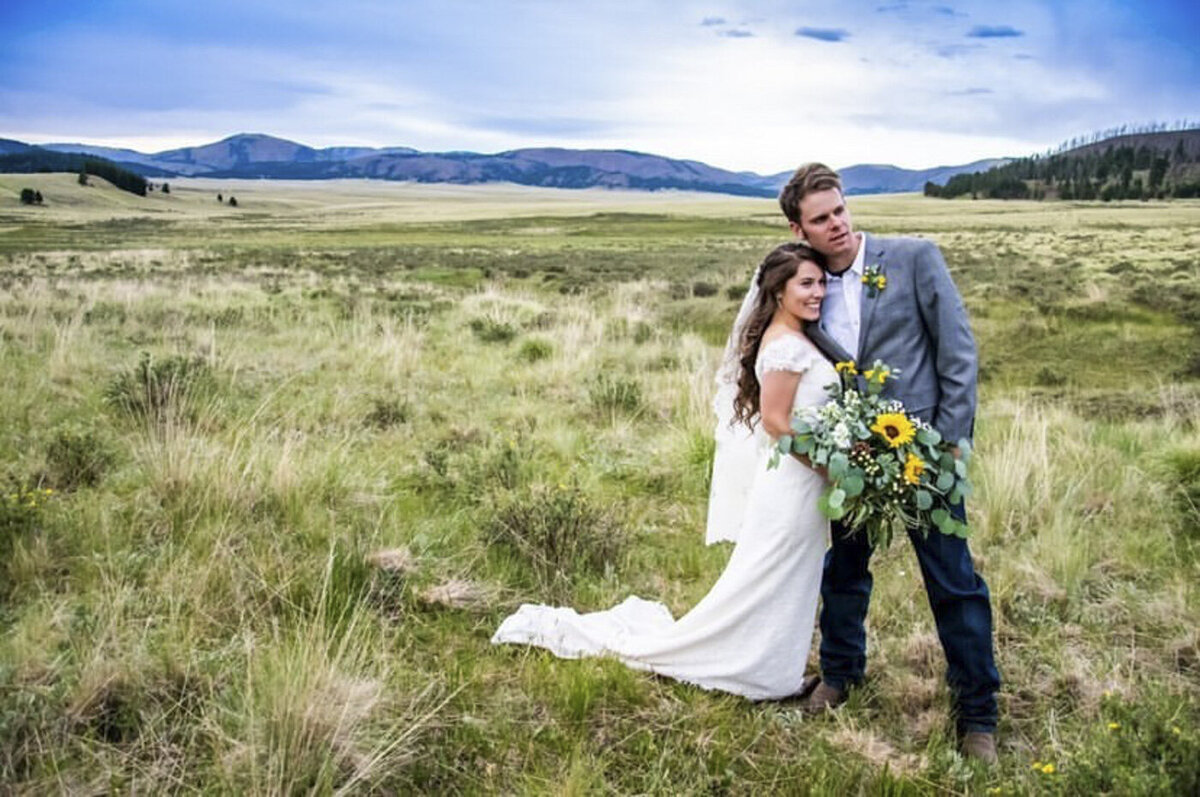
(741, 84)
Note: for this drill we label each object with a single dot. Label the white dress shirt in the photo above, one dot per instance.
(841, 311)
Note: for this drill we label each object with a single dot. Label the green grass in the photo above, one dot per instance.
(197, 607)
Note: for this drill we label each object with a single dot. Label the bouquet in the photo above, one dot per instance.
(887, 471)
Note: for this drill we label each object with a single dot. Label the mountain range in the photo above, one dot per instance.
(255, 155)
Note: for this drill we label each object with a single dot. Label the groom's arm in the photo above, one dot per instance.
(945, 319)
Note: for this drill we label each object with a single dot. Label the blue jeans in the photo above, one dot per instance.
(961, 609)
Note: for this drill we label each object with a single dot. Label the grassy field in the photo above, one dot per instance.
(273, 474)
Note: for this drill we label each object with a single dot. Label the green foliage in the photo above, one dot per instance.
(533, 350)
(558, 533)
(171, 388)
(1184, 479)
(387, 412)
(30, 197)
(36, 159)
(491, 330)
(1104, 170)
(610, 394)
(206, 614)
(1145, 747)
(77, 456)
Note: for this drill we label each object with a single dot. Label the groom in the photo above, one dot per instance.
(914, 321)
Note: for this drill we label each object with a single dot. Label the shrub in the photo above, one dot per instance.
(535, 349)
(77, 457)
(735, 292)
(387, 412)
(1184, 470)
(615, 394)
(28, 196)
(20, 512)
(704, 289)
(558, 533)
(490, 330)
(1048, 376)
(159, 391)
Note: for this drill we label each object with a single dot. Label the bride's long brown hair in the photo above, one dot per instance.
(779, 266)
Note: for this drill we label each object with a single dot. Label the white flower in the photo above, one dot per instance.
(841, 435)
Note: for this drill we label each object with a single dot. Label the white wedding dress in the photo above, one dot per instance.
(750, 635)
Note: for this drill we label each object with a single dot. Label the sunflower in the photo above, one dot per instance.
(895, 428)
(914, 466)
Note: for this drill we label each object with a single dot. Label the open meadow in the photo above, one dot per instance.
(272, 475)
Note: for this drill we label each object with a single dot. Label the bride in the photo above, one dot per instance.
(750, 634)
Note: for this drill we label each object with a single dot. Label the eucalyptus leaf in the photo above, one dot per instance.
(929, 437)
(956, 495)
(803, 445)
(945, 481)
(837, 498)
(853, 484)
(940, 518)
(960, 468)
(924, 500)
(838, 463)
(784, 444)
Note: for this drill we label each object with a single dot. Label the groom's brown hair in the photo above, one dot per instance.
(808, 178)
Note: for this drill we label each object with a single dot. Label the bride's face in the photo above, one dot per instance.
(803, 293)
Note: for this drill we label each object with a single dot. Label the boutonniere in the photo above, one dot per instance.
(874, 280)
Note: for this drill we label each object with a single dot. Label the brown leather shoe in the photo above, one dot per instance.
(824, 698)
(980, 746)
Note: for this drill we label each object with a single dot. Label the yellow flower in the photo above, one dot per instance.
(846, 367)
(895, 428)
(914, 466)
(1036, 765)
(1113, 726)
(1048, 769)
(866, 278)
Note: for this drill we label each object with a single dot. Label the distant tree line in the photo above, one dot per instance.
(1179, 125)
(37, 159)
(1115, 172)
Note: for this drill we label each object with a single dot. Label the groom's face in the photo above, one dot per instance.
(825, 224)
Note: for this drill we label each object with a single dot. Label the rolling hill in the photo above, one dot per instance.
(255, 155)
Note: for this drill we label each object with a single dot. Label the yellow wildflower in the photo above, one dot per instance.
(1048, 769)
(914, 466)
(881, 282)
(895, 428)
(846, 367)
(1113, 726)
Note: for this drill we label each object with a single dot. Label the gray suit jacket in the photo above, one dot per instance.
(916, 324)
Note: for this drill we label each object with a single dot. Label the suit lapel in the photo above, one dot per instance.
(872, 256)
(828, 346)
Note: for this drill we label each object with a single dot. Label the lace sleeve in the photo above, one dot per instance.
(786, 353)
